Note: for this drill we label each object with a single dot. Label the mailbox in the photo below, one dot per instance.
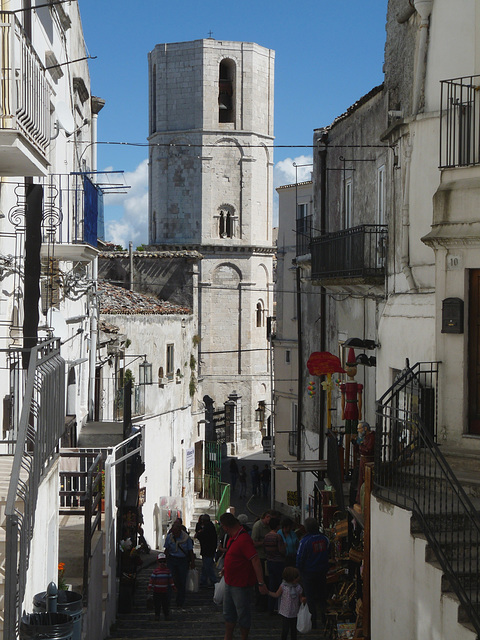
(452, 315)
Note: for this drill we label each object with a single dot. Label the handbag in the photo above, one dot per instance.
(304, 619)
(219, 591)
(192, 581)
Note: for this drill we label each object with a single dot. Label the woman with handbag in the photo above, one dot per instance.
(179, 552)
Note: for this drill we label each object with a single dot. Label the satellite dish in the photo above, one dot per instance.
(64, 118)
(56, 320)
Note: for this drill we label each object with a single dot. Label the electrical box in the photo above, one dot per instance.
(452, 315)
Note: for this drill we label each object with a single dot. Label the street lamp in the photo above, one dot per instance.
(145, 372)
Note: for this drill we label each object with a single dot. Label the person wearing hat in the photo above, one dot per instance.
(351, 404)
(161, 585)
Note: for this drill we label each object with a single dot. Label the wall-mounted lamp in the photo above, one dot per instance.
(362, 358)
(361, 344)
(145, 372)
(260, 412)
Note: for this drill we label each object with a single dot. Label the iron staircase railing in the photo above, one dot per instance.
(40, 427)
(412, 473)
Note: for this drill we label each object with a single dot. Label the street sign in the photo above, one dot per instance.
(267, 444)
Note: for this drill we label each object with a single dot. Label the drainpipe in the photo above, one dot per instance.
(130, 258)
(405, 259)
(92, 356)
(424, 9)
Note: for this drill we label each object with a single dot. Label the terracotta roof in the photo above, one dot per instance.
(151, 254)
(119, 301)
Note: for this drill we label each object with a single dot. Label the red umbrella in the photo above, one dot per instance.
(324, 363)
(321, 363)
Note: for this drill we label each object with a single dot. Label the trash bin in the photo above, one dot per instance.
(46, 626)
(69, 602)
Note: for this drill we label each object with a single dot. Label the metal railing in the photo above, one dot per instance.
(357, 252)
(304, 234)
(460, 122)
(69, 209)
(25, 93)
(81, 494)
(40, 427)
(411, 472)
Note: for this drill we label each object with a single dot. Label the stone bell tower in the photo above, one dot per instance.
(211, 189)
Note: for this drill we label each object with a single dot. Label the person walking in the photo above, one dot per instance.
(265, 480)
(259, 530)
(242, 570)
(290, 539)
(179, 552)
(242, 477)
(233, 473)
(160, 585)
(255, 478)
(312, 562)
(275, 551)
(207, 536)
(290, 594)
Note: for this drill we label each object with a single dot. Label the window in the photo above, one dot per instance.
(287, 356)
(170, 361)
(381, 195)
(259, 314)
(226, 222)
(302, 210)
(292, 436)
(348, 208)
(225, 91)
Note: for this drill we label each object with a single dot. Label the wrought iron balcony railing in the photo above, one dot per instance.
(359, 252)
(25, 93)
(304, 234)
(460, 122)
(70, 209)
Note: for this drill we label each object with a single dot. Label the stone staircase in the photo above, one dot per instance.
(198, 618)
(455, 539)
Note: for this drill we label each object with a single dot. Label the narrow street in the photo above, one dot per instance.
(200, 618)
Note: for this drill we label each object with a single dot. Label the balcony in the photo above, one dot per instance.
(460, 122)
(24, 104)
(70, 206)
(357, 255)
(304, 234)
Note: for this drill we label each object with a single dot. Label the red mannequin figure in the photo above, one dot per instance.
(351, 404)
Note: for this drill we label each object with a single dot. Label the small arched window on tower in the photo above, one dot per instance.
(259, 314)
(225, 91)
(226, 223)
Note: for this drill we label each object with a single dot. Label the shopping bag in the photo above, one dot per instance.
(219, 591)
(304, 619)
(192, 580)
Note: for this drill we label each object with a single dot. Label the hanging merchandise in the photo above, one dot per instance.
(311, 388)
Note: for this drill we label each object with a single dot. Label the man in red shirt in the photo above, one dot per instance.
(161, 584)
(242, 570)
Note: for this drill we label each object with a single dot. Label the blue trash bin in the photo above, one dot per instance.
(46, 626)
(69, 602)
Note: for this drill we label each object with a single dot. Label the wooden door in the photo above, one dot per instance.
(474, 353)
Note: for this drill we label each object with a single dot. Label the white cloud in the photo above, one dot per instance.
(126, 215)
(285, 173)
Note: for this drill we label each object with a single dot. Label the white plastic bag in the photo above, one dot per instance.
(192, 580)
(304, 619)
(219, 591)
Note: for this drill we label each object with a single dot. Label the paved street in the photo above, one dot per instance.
(200, 618)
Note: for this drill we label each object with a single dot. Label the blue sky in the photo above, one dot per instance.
(328, 54)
